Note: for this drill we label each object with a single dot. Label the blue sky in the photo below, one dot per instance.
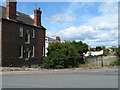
(94, 23)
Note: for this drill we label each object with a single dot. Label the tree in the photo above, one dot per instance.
(60, 55)
(118, 51)
(64, 55)
(106, 52)
(81, 48)
(117, 62)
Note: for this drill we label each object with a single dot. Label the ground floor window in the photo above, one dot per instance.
(21, 52)
(27, 52)
(43, 50)
(33, 52)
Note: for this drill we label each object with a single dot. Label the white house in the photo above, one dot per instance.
(94, 53)
(48, 41)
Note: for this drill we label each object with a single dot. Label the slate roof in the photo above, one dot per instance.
(50, 39)
(21, 17)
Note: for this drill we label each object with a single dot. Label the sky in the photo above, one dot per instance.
(94, 23)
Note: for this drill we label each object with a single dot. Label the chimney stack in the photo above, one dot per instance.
(37, 17)
(58, 39)
(11, 9)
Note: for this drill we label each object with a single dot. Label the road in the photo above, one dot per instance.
(61, 80)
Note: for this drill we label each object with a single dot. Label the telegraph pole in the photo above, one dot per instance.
(102, 60)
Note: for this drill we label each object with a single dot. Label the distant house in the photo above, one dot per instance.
(112, 49)
(93, 53)
(48, 41)
(99, 48)
(22, 39)
(58, 39)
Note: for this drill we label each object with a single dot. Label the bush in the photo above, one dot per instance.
(59, 67)
(106, 53)
(63, 55)
(117, 52)
(115, 63)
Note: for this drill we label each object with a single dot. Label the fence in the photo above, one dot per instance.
(100, 61)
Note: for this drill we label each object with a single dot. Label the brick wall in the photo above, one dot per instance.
(11, 43)
(0, 42)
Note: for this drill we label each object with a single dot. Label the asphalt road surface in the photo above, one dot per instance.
(63, 80)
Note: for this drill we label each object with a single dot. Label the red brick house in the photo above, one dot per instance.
(22, 39)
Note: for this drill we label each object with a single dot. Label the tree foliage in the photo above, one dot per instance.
(80, 46)
(115, 63)
(64, 55)
(118, 51)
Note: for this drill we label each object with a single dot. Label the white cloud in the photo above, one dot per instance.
(109, 7)
(74, 33)
(32, 16)
(109, 15)
(107, 26)
(104, 20)
(61, 18)
(88, 34)
(99, 30)
(67, 16)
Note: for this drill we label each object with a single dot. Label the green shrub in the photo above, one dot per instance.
(59, 67)
(63, 55)
(115, 63)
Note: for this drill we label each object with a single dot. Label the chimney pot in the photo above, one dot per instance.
(37, 17)
(38, 9)
(58, 39)
(11, 9)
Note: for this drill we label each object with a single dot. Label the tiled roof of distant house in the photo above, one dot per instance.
(50, 39)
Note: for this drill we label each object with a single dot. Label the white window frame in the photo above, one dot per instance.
(21, 56)
(29, 54)
(21, 32)
(28, 38)
(43, 51)
(33, 33)
(33, 51)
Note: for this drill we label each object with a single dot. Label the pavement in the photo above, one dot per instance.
(47, 71)
(67, 78)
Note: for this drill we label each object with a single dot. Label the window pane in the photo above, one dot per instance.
(27, 38)
(43, 50)
(33, 51)
(21, 52)
(21, 32)
(33, 33)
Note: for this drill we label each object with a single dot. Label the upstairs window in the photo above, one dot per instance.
(33, 33)
(27, 38)
(21, 32)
